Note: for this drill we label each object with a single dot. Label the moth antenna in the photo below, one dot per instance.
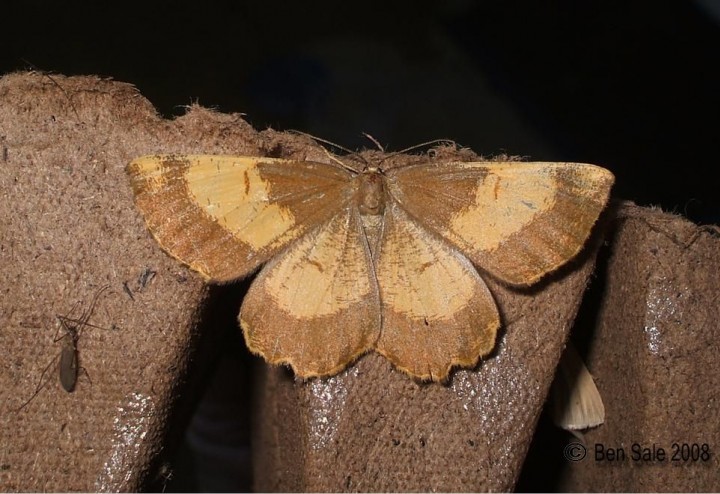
(338, 146)
(374, 141)
(423, 144)
(339, 162)
(324, 141)
(416, 146)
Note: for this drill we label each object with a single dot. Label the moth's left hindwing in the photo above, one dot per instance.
(316, 306)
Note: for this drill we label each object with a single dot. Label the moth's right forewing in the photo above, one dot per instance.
(517, 221)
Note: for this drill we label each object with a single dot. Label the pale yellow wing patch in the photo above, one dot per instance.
(316, 306)
(232, 192)
(518, 221)
(437, 312)
(225, 215)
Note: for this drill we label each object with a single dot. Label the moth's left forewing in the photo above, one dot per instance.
(225, 215)
(518, 221)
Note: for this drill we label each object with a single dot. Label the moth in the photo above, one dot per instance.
(358, 256)
(576, 401)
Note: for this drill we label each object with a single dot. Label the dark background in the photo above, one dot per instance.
(632, 86)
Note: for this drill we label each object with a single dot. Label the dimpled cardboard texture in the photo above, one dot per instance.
(69, 228)
(655, 360)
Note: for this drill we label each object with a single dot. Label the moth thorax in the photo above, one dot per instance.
(370, 198)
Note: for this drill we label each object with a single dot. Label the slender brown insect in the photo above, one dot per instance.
(69, 366)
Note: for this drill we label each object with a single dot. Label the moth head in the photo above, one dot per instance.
(371, 194)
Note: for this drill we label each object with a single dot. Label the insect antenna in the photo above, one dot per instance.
(330, 156)
(82, 322)
(417, 146)
(374, 141)
(56, 83)
(423, 144)
(339, 161)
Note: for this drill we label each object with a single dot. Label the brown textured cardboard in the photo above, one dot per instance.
(68, 227)
(654, 357)
(373, 429)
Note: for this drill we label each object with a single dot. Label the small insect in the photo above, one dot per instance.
(68, 368)
(577, 404)
(69, 364)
